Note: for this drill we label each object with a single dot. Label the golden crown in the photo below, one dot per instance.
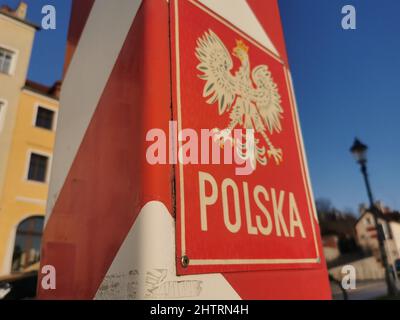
(241, 45)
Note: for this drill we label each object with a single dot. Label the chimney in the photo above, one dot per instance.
(56, 89)
(20, 13)
(362, 208)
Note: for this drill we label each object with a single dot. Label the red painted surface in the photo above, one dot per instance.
(280, 181)
(110, 180)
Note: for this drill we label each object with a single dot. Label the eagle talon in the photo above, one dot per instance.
(276, 154)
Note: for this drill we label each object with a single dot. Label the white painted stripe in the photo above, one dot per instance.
(144, 267)
(217, 262)
(240, 14)
(97, 52)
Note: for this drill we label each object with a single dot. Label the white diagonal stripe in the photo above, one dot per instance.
(101, 42)
(145, 266)
(240, 14)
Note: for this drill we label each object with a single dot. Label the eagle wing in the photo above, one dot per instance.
(267, 98)
(216, 65)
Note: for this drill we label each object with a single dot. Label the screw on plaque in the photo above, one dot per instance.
(185, 261)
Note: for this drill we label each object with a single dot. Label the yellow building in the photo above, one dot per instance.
(28, 117)
(16, 40)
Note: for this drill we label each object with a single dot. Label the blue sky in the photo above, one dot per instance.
(49, 49)
(346, 85)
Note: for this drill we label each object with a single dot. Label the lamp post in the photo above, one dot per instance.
(359, 150)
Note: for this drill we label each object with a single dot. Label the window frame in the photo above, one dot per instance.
(27, 166)
(36, 107)
(15, 235)
(3, 112)
(14, 60)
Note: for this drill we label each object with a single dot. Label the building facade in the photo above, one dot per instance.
(367, 235)
(28, 118)
(16, 41)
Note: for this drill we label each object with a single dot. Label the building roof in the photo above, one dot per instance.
(48, 91)
(393, 216)
(340, 225)
(10, 13)
(388, 216)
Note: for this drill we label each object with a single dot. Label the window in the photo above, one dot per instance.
(44, 118)
(38, 167)
(6, 59)
(27, 243)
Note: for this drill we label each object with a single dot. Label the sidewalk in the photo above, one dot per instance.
(366, 290)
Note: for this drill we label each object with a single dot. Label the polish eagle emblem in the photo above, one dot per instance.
(250, 96)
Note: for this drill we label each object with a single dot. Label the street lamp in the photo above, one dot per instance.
(359, 150)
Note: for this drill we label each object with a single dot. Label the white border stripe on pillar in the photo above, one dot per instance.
(100, 44)
(145, 266)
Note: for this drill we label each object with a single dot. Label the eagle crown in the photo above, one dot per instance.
(241, 51)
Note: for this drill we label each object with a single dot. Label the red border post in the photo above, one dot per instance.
(114, 219)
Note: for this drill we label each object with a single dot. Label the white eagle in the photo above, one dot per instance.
(252, 98)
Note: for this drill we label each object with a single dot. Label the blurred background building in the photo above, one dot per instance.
(367, 236)
(28, 120)
(348, 240)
